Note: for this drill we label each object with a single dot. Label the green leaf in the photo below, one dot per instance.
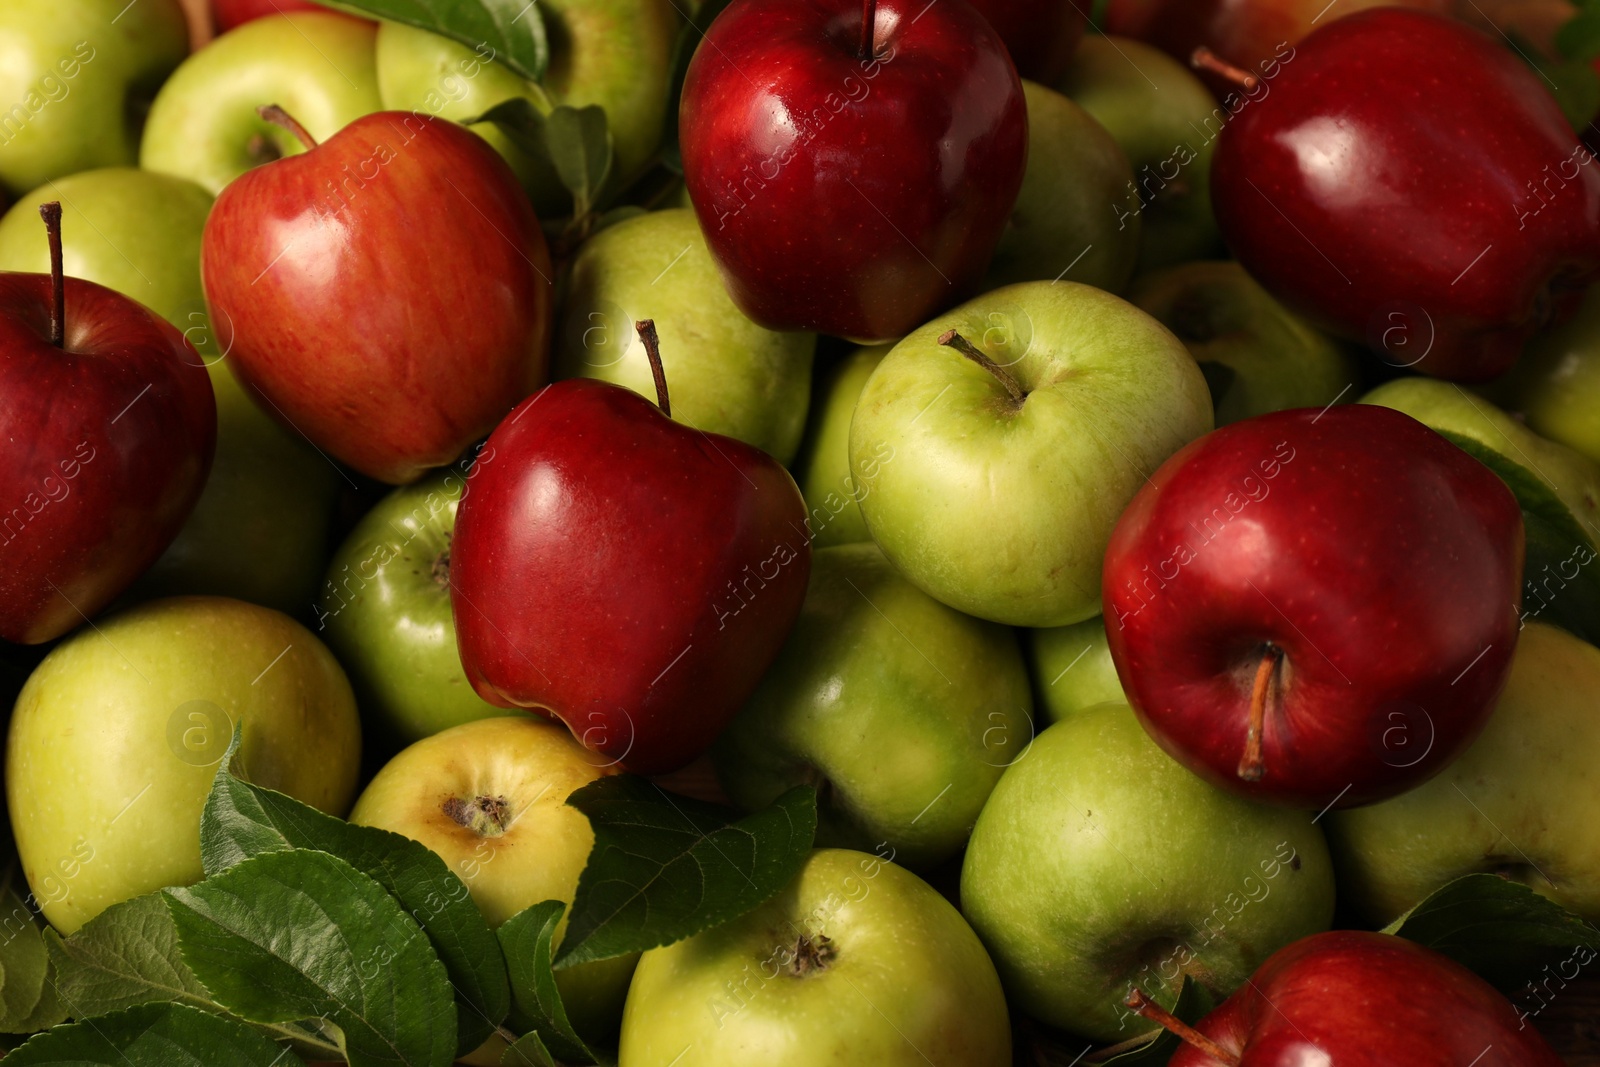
(521, 122)
(1554, 535)
(1500, 929)
(579, 144)
(665, 867)
(153, 1035)
(528, 1051)
(510, 31)
(1193, 1004)
(1579, 39)
(295, 935)
(242, 820)
(526, 938)
(23, 961)
(50, 1010)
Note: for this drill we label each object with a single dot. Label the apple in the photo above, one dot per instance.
(1077, 215)
(76, 75)
(1072, 668)
(858, 961)
(1040, 35)
(317, 65)
(600, 524)
(260, 529)
(1166, 122)
(1306, 662)
(1100, 865)
(229, 14)
(923, 103)
(901, 711)
(386, 608)
(1556, 383)
(1504, 807)
(831, 486)
(1349, 996)
(88, 375)
(387, 360)
(729, 376)
(1327, 192)
(1258, 356)
(490, 798)
(117, 735)
(1011, 464)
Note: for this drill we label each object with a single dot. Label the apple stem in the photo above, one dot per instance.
(652, 350)
(967, 348)
(869, 19)
(281, 118)
(51, 213)
(1169, 1022)
(1205, 59)
(1252, 766)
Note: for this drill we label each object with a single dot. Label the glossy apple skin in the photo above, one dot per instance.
(390, 360)
(107, 445)
(624, 573)
(1362, 999)
(1041, 35)
(1385, 564)
(847, 196)
(1353, 189)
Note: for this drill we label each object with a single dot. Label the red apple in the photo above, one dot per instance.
(852, 175)
(1313, 608)
(1408, 181)
(109, 431)
(1359, 999)
(1040, 35)
(624, 573)
(231, 13)
(387, 293)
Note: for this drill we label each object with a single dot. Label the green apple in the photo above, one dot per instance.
(1167, 122)
(1572, 476)
(1001, 504)
(117, 735)
(1556, 383)
(260, 530)
(1072, 668)
(857, 962)
(830, 486)
(75, 76)
(903, 713)
(1077, 215)
(1100, 864)
(1517, 803)
(724, 373)
(490, 798)
(386, 608)
(318, 66)
(1257, 355)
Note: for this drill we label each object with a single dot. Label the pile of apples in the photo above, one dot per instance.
(1107, 462)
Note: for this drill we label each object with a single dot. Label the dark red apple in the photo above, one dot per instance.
(387, 293)
(1040, 35)
(230, 13)
(1312, 608)
(624, 573)
(852, 175)
(1407, 181)
(1359, 999)
(109, 427)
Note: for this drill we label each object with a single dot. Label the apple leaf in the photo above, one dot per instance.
(285, 936)
(243, 820)
(526, 938)
(510, 31)
(665, 867)
(1578, 39)
(1500, 929)
(580, 148)
(528, 1051)
(23, 962)
(153, 1035)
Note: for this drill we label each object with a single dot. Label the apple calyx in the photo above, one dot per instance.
(278, 117)
(1205, 59)
(869, 18)
(810, 954)
(952, 339)
(440, 571)
(652, 349)
(1149, 1009)
(486, 816)
(1252, 766)
(51, 213)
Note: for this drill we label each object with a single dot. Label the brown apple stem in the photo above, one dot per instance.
(869, 16)
(652, 350)
(1252, 766)
(51, 213)
(1205, 59)
(281, 118)
(1169, 1022)
(968, 349)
